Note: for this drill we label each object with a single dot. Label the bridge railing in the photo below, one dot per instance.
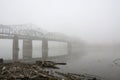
(31, 32)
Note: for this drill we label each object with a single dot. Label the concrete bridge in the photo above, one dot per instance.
(29, 32)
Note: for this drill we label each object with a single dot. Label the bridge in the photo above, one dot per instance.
(27, 33)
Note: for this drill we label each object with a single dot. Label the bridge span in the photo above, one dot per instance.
(29, 32)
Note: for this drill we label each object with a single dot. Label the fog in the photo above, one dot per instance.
(95, 22)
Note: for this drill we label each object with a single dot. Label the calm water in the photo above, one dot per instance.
(97, 62)
(55, 48)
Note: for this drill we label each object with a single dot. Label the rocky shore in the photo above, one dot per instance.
(41, 70)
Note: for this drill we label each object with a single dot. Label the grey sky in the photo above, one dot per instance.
(96, 21)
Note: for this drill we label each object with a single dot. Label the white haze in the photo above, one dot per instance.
(93, 21)
(96, 21)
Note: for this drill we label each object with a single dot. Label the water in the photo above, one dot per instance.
(97, 62)
(54, 48)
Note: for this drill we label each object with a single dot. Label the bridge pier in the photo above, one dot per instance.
(44, 49)
(27, 49)
(15, 48)
(69, 47)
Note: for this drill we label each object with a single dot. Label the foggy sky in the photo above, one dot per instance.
(95, 21)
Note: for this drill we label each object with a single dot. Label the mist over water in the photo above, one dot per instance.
(95, 22)
(98, 61)
(54, 48)
(91, 59)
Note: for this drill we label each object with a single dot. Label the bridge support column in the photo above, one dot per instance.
(15, 48)
(69, 46)
(44, 49)
(27, 49)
